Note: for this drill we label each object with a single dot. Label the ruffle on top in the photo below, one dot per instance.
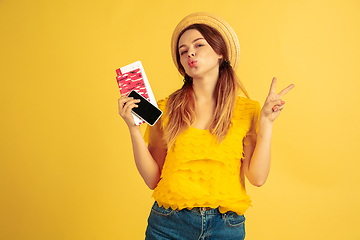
(200, 172)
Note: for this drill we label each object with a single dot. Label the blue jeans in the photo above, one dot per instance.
(197, 224)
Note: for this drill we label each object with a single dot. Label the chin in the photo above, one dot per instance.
(193, 72)
(194, 76)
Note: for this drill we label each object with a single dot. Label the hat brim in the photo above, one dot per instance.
(215, 22)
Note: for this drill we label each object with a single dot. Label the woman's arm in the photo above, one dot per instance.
(147, 166)
(257, 155)
(256, 162)
(145, 163)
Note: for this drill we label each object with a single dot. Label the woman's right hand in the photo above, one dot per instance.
(125, 106)
(145, 163)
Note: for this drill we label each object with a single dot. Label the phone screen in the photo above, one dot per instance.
(145, 110)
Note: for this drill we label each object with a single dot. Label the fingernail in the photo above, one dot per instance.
(282, 102)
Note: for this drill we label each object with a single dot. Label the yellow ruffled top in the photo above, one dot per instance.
(200, 172)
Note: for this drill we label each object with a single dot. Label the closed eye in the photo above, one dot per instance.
(183, 52)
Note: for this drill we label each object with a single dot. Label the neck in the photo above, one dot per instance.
(204, 87)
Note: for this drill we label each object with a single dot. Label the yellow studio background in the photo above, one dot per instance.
(67, 170)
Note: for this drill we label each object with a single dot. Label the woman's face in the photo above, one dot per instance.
(197, 56)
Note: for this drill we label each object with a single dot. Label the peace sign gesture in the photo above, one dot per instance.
(273, 103)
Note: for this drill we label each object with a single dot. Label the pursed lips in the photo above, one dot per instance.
(192, 62)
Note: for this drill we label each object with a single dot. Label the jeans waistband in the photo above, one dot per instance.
(206, 210)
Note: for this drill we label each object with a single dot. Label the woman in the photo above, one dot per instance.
(207, 139)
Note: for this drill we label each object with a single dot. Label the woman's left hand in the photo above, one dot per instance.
(273, 103)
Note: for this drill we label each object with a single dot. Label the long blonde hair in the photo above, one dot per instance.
(180, 107)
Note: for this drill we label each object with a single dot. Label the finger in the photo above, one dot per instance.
(276, 102)
(130, 104)
(126, 111)
(277, 108)
(285, 90)
(126, 100)
(273, 85)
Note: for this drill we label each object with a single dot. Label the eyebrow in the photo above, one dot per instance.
(192, 42)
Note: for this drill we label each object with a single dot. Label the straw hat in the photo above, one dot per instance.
(213, 21)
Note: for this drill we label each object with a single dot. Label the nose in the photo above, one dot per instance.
(191, 53)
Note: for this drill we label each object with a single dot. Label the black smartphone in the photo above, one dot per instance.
(145, 110)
